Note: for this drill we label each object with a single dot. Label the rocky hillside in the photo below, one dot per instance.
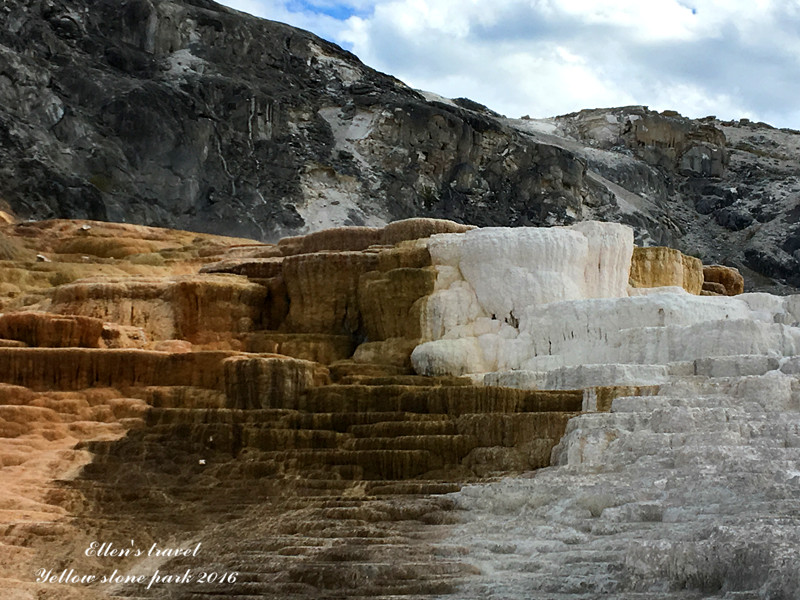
(186, 114)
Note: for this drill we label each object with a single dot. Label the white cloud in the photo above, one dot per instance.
(733, 58)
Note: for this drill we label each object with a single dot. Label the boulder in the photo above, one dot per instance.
(658, 267)
(729, 278)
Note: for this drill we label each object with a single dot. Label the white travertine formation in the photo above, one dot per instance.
(547, 301)
(510, 269)
(570, 378)
(688, 494)
(691, 492)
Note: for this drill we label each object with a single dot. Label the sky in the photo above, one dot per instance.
(730, 58)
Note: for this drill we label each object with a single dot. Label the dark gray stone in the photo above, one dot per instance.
(187, 114)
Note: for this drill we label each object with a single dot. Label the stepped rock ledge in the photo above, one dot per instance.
(424, 409)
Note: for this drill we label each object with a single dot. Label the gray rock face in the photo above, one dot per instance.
(726, 191)
(186, 114)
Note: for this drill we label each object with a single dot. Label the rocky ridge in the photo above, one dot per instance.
(189, 115)
(309, 411)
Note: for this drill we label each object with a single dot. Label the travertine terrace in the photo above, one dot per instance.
(309, 411)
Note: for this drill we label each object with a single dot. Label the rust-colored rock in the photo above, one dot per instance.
(53, 331)
(317, 347)
(199, 308)
(658, 266)
(270, 381)
(729, 278)
(323, 291)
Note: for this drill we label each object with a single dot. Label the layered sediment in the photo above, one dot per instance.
(315, 398)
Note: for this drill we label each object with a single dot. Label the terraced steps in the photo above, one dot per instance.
(685, 495)
(341, 487)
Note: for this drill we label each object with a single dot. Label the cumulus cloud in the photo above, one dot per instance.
(732, 58)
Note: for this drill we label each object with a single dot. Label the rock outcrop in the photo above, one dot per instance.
(199, 308)
(187, 114)
(657, 266)
(245, 126)
(578, 326)
(300, 409)
(699, 481)
(729, 280)
(54, 331)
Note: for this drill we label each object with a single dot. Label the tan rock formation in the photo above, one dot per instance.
(123, 336)
(360, 238)
(254, 268)
(81, 368)
(665, 139)
(338, 239)
(12, 249)
(101, 239)
(658, 266)
(125, 250)
(199, 308)
(409, 254)
(49, 330)
(412, 229)
(43, 438)
(389, 302)
(270, 381)
(712, 288)
(323, 291)
(729, 278)
(320, 407)
(392, 351)
(317, 347)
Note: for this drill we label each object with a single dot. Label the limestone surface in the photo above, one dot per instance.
(310, 412)
(503, 304)
(690, 493)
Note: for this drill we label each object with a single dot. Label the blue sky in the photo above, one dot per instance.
(730, 58)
